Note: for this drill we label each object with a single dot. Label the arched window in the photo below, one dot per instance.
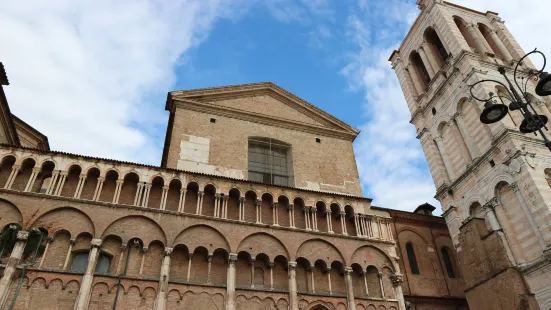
(436, 45)
(411, 258)
(448, 262)
(269, 161)
(80, 262)
(420, 70)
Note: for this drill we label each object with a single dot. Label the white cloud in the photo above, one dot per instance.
(84, 72)
(391, 162)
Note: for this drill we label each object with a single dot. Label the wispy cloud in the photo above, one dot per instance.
(391, 162)
(85, 72)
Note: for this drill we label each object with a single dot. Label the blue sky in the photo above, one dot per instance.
(93, 75)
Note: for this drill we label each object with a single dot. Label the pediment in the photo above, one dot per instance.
(263, 100)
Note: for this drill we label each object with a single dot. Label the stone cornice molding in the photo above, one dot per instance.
(263, 119)
(255, 89)
(406, 217)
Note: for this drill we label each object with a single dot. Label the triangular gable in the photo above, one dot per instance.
(265, 99)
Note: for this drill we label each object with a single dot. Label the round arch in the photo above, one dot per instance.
(142, 227)
(315, 249)
(258, 243)
(202, 235)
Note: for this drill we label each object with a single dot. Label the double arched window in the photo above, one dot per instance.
(80, 262)
(411, 258)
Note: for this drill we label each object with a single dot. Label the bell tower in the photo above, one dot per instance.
(491, 179)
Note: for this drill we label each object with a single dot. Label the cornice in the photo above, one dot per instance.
(262, 119)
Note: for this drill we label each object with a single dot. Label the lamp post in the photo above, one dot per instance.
(494, 111)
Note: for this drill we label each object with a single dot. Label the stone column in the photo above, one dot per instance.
(364, 225)
(258, 211)
(490, 214)
(349, 288)
(343, 224)
(416, 83)
(481, 48)
(357, 224)
(161, 301)
(68, 256)
(271, 267)
(380, 275)
(209, 268)
(293, 297)
(117, 191)
(274, 214)
(230, 282)
(251, 261)
(216, 205)
(189, 267)
(163, 198)
(397, 280)
(291, 216)
(445, 158)
(312, 284)
(426, 62)
(314, 211)
(138, 195)
(48, 241)
(182, 200)
(502, 49)
(241, 209)
(13, 174)
(199, 208)
(329, 224)
(30, 183)
(51, 187)
(144, 254)
(80, 186)
(61, 183)
(11, 265)
(306, 217)
(431, 56)
(365, 282)
(85, 290)
(99, 186)
(225, 208)
(329, 280)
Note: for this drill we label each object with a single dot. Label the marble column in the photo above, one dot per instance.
(329, 224)
(117, 191)
(431, 56)
(426, 62)
(380, 275)
(182, 200)
(314, 212)
(51, 186)
(162, 294)
(526, 210)
(30, 183)
(258, 211)
(349, 288)
(416, 83)
(48, 241)
(189, 267)
(80, 186)
(306, 211)
(251, 262)
(68, 256)
(230, 282)
(241, 209)
(397, 280)
(329, 280)
(13, 174)
(293, 297)
(473, 31)
(85, 290)
(357, 224)
(291, 209)
(99, 186)
(502, 49)
(11, 265)
(364, 274)
(162, 205)
(491, 216)
(343, 224)
(199, 208)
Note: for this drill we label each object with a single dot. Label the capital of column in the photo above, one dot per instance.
(183, 190)
(252, 260)
(314, 209)
(274, 205)
(232, 258)
(200, 193)
(310, 268)
(209, 257)
(241, 199)
(96, 243)
(259, 202)
(168, 251)
(491, 204)
(124, 247)
(72, 241)
(328, 212)
(306, 209)
(83, 176)
(514, 186)
(347, 270)
(145, 249)
(380, 275)
(63, 173)
(101, 179)
(342, 213)
(36, 169)
(119, 181)
(291, 207)
(328, 270)
(50, 239)
(22, 235)
(217, 196)
(270, 265)
(396, 279)
(292, 265)
(165, 187)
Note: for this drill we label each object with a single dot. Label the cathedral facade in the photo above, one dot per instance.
(492, 180)
(257, 204)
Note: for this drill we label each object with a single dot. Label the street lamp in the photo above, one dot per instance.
(495, 111)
